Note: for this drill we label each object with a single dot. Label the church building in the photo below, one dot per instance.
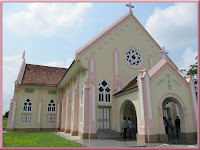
(121, 72)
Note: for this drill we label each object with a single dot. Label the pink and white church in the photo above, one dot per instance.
(121, 72)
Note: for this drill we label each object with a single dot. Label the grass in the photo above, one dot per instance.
(5, 120)
(36, 139)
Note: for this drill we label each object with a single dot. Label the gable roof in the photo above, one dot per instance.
(42, 75)
(90, 44)
(131, 85)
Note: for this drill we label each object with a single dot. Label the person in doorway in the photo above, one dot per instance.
(170, 125)
(165, 124)
(177, 124)
(130, 125)
(124, 126)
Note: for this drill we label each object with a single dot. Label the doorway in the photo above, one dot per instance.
(104, 118)
(128, 110)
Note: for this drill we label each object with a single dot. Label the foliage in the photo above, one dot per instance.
(5, 120)
(6, 114)
(36, 139)
(192, 72)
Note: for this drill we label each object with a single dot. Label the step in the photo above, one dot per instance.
(108, 134)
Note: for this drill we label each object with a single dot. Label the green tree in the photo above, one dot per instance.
(6, 114)
(192, 72)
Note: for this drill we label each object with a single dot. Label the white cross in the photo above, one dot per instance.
(130, 6)
(164, 52)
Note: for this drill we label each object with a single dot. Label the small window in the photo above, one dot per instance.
(52, 91)
(29, 90)
(26, 117)
(68, 87)
(51, 106)
(27, 105)
(50, 118)
(75, 81)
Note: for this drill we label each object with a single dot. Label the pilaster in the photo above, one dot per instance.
(13, 106)
(39, 108)
(76, 108)
(147, 126)
(68, 108)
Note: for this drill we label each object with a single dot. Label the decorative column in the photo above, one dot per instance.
(39, 108)
(147, 130)
(63, 114)
(11, 117)
(58, 113)
(92, 100)
(76, 108)
(85, 122)
(68, 113)
(116, 87)
(193, 97)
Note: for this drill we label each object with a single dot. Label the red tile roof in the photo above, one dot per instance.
(42, 75)
(131, 85)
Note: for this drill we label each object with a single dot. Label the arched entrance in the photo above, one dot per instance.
(171, 108)
(128, 110)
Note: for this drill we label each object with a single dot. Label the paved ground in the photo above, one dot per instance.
(173, 142)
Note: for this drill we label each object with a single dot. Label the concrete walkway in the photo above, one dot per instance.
(97, 143)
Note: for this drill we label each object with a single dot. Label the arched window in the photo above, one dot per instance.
(51, 106)
(27, 105)
(104, 90)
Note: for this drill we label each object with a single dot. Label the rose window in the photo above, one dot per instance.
(133, 57)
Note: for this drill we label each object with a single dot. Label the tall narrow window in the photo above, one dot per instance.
(51, 106)
(27, 105)
(104, 92)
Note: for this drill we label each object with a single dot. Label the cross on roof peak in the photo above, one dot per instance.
(164, 52)
(130, 6)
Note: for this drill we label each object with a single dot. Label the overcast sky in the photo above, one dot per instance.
(51, 32)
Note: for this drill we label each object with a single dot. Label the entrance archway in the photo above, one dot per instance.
(171, 108)
(128, 110)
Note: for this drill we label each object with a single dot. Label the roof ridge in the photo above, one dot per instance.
(47, 66)
(95, 39)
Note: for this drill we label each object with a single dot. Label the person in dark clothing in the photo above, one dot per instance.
(124, 126)
(177, 124)
(165, 124)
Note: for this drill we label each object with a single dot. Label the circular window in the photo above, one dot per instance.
(133, 57)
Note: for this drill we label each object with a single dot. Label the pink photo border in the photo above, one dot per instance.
(1, 63)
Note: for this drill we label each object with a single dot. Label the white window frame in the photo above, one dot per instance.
(28, 106)
(104, 92)
(50, 118)
(51, 106)
(25, 118)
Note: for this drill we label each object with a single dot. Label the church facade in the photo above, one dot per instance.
(119, 73)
